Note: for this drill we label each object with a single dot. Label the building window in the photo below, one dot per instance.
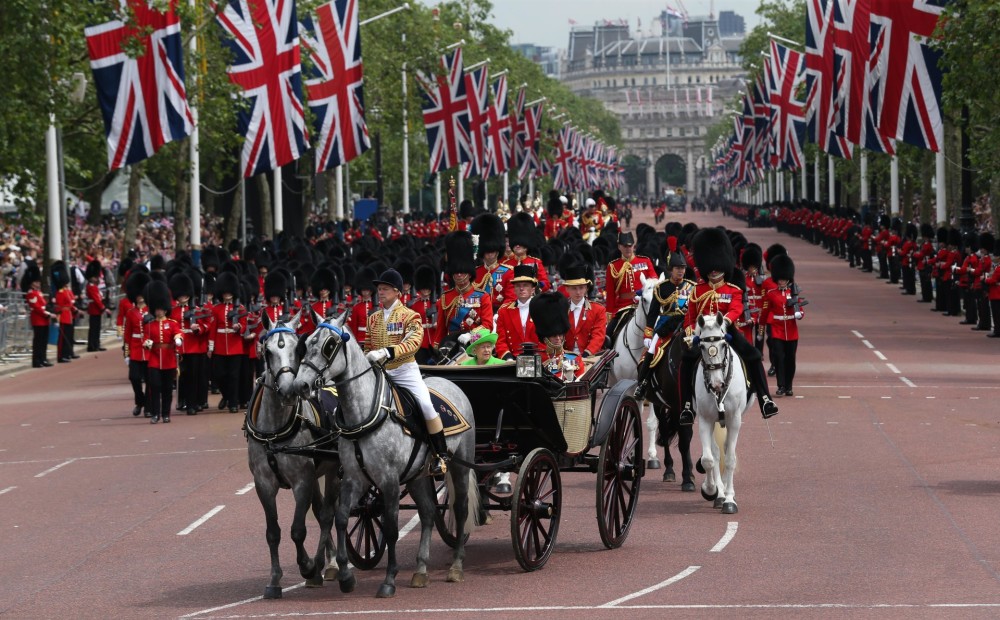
(645, 81)
(654, 80)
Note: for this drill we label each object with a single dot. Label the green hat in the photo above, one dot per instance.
(481, 335)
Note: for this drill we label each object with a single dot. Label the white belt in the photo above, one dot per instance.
(186, 331)
(784, 317)
(226, 330)
(137, 335)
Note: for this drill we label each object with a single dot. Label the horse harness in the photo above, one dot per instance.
(726, 366)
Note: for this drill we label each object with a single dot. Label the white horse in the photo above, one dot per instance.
(721, 395)
(630, 348)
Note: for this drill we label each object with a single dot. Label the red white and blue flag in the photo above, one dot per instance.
(497, 131)
(788, 124)
(263, 36)
(478, 96)
(517, 130)
(562, 164)
(446, 114)
(531, 162)
(142, 99)
(336, 83)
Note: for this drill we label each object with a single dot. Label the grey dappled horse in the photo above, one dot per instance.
(276, 423)
(390, 457)
(721, 395)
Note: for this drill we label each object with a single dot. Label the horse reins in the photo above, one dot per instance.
(726, 366)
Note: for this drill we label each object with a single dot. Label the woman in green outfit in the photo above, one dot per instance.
(480, 350)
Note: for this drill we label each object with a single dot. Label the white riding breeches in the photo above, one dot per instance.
(408, 376)
(655, 340)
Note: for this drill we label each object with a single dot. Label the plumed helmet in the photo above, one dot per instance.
(424, 277)
(773, 250)
(675, 258)
(324, 278)
(521, 230)
(32, 274)
(550, 313)
(942, 235)
(181, 286)
(986, 242)
(275, 285)
(158, 296)
(227, 282)
(712, 251)
(490, 229)
(59, 274)
(926, 231)
(135, 285)
(751, 257)
(93, 270)
(782, 268)
(458, 249)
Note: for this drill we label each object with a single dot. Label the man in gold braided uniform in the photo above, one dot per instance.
(394, 336)
(623, 280)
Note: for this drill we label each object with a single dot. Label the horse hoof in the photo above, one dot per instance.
(729, 508)
(419, 580)
(456, 575)
(315, 582)
(699, 467)
(347, 585)
(687, 487)
(272, 592)
(669, 476)
(718, 503)
(330, 574)
(709, 498)
(652, 464)
(386, 591)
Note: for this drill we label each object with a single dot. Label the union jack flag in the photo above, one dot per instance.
(477, 89)
(788, 125)
(517, 130)
(497, 131)
(446, 114)
(142, 99)
(905, 71)
(263, 36)
(562, 176)
(762, 115)
(850, 56)
(532, 134)
(336, 84)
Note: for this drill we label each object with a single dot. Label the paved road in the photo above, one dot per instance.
(878, 496)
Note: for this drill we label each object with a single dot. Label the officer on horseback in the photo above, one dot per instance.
(394, 336)
(623, 280)
(713, 256)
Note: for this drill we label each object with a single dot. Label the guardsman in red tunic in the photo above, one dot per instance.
(993, 290)
(966, 277)
(986, 243)
(195, 323)
(324, 284)
(363, 306)
(95, 305)
(163, 339)
(554, 221)
(907, 262)
(464, 307)
(782, 310)
(492, 274)
(136, 356)
(40, 317)
(514, 324)
(924, 257)
(713, 254)
(866, 246)
(523, 234)
(251, 366)
(65, 306)
(752, 260)
(550, 313)
(425, 280)
(587, 319)
(226, 345)
(623, 280)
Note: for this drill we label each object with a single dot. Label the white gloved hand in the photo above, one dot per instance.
(798, 315)
(126, 362)
(147, 344)
(688, 340)
(377, 356)
(465, 338)
(646, 342)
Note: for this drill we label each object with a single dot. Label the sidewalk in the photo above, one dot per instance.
(15, 363)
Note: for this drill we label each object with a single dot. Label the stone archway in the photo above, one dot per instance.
(670, 169)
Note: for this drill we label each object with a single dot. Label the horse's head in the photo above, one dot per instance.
(324, 357)
(710, 334)
(646, 299)
(281, 349)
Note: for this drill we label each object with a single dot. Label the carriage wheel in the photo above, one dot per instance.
(535, 511)
(365, 534)
(444, 516)
(619, 474)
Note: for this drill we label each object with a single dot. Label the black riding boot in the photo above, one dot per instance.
(439, 465)
(758, 380)
(644, 375)
(686, 417)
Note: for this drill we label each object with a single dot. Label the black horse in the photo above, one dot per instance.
(665, 398)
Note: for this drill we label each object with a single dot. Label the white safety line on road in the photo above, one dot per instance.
(868, 344)
(893, 368)
(208, 515)
(731, 528)
(52, 469)
(879, 355)
(245, 489)
(690, 570)
(7, 490)
(908, 382)
(857, 333)
(128, 456)
(65, 422)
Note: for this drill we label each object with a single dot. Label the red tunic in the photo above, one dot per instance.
(779, 315)
(708, 299)
(164, 335)
(227, 337)
(358, 321)
(64, 305)
(421, 306)
(511, 335)
(133, 330)
(587, 334)
(623, 280)
(95, 303)
(541, 273)
(36, 305)
(458, 313)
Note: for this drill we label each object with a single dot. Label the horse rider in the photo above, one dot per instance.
(665, 316)
(623, 280)
(394, 336)
(713, 256)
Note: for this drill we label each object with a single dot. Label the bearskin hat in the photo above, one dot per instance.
(712, 252)
(751, 257)
(911, 231)
(181, 286)
(970, 242)
(135, 285)
(227, 282)
(93, 270)
(324, 278)
(365, 279)
(773, 250)
(275, 285)
(405, 270)
(986, 242)
(466, 209)
(896, 226)
(197, 283)
(59, 274)
(490, 229)
(157, 262)
(458, 250)
(521, 230)
(926, 231)
(424, 277)
(158, 296)
(554, 207)
(942, 235)
(883, 221)
(31, 275)
(782, 268)
(954, 237)
(550, 313)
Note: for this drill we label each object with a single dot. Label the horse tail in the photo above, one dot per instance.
(472, 519)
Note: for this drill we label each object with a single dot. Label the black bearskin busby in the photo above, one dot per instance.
(712, 251)
(135, 285)
(954, 237)
(31, 275)
(227, 282)
(324, 278)
(181, 286)
(425, 278)
(751, 257)
(986, 242)
(365, 279)
(59, 274)
(942, 235)
(926, 231)
(275, 285)
(93, 270)
(550, 313)
(458, 249)
(490, 229)
(521, 230)
(554, 207)
(773, 250)
(158, 296)
(782, 268)
(911, 231)
(466, 209)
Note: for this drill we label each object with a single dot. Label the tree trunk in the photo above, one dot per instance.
(331, 194)
(927, 165)
(266, 227)
(132, 212)
(994, 207)
(181, 227)
(93, 196)
(235, 213)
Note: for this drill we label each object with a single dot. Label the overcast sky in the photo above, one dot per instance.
(546, 22)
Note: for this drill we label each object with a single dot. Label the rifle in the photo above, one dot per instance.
(796, 301)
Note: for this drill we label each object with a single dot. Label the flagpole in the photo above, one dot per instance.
(816, 177)
(194, 219)
(243, 214)
(54, 224)
(279, 203)
(505, 188)
(339, 178)
(803, 184)
(830, 189)
(864, 176)
(941, 212)
(406, 144)
(894, 185)
(437, 194)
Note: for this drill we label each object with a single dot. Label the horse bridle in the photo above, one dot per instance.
(338, 345)
(281, 330)
(645, 311)
(726, 365)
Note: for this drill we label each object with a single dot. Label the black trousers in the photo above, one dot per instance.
(247, 375)
(926, 286)
(66, 336)
(883, 266)
(94, 333)
(227, 376)
(909, 280)
(193, 375)
(161, 391)
(784, 352)
(995, 311)
(954, 300)
(138, 377)
(894, 268)
(970, 304)
(943, 291)
(39, 343)
(983, 307)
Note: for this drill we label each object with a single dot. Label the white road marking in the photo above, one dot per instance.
(868, 344)
(886, 397)
(912, 384)
(208, 515)
(879, 355)
(245, 489)
(731, 528)
(844, 397)
(973, 398)
(833, 422)
(7, 490)
(893, 368)
(690, 570)
(65, 422)
(930, 398)
(26, 425)
(857, 333)
(129, 456)
(52, 469)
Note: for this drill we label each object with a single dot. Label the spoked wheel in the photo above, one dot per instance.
(619, 472)
(535, 510)
(365, 534)
(444, 516)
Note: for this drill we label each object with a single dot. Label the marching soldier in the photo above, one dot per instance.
(41, 318)
(363, 306)
(323, 284)
(781, 310)
(226, 346)
(163, 339)
(194, 325)
(623, 280)
(95, 305)
(554, 222)
(136, 356)
(464, 307)
(752, 260)
(514, 324)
